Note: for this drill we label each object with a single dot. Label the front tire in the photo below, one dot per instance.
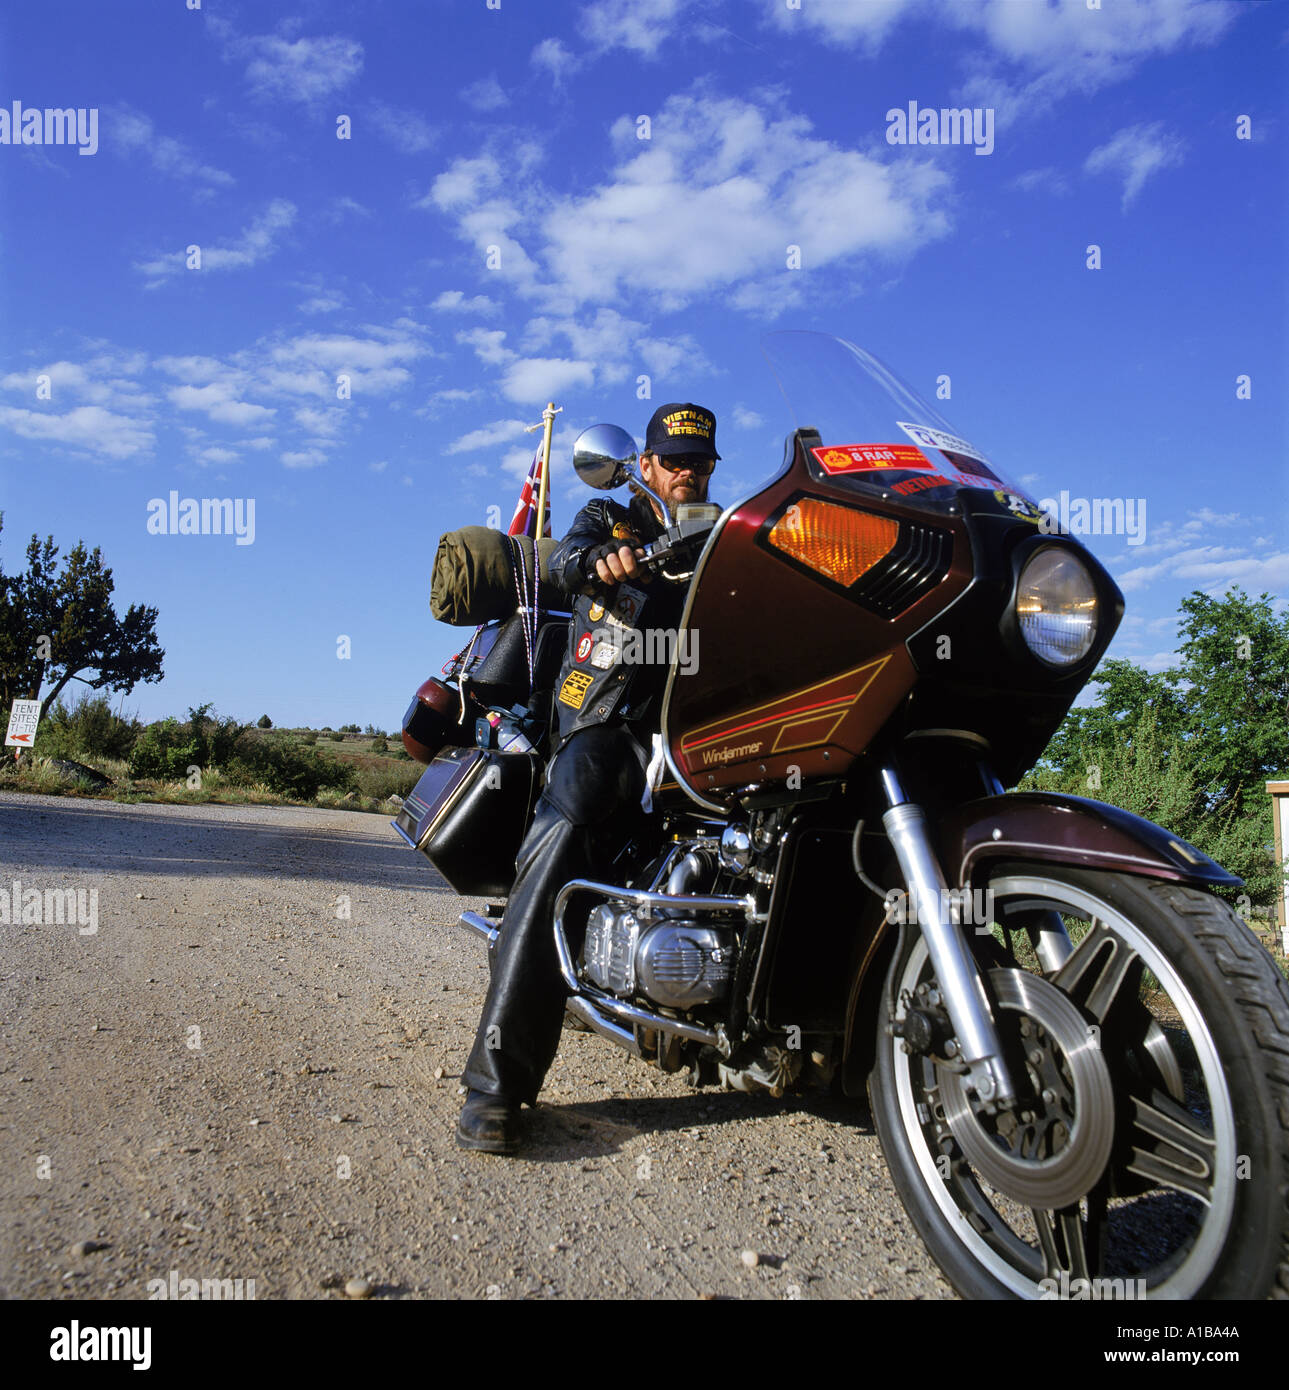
(1148, 1154)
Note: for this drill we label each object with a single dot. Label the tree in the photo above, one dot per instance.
(1191, 747)
(55, 624)
(263, 722)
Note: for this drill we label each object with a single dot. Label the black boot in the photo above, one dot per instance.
(488, 1123)
(592, 796)
(520, 1026)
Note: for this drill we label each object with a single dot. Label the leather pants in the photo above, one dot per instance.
(589, 807)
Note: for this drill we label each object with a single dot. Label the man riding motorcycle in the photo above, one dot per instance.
(609, 709)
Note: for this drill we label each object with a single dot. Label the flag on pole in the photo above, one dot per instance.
(524, 522)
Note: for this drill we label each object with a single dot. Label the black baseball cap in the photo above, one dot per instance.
(682, 428)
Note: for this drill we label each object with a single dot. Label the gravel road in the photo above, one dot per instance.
(250, 1071)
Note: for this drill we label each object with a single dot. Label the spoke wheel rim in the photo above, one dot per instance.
(1015, 1264)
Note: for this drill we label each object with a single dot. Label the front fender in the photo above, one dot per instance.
(1054, 828)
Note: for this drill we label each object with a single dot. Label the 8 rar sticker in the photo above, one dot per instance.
(573, 691)
(860, 458)
(583, 647)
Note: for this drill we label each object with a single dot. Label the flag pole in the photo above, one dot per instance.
(548, 417)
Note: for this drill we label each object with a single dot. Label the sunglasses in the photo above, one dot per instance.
(700, 465)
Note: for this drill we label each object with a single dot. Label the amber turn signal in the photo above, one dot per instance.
(837, 541)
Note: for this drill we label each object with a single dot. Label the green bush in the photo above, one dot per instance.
(167, 749)
(337, 738)
(383, 782)
(288, 769)
(264, 722)
(380, 745)
(88, 729)
(309, 738)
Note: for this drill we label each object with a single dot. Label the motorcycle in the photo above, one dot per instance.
(1074, 1051)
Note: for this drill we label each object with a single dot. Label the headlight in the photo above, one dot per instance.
(1056, 605)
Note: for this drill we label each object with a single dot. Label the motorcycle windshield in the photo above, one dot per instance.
(876, 433)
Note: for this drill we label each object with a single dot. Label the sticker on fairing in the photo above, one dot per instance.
(1019, 506)
(597, 612)
(583, 647)
(573, 691)
(604, 654)
(930, 438)
(860, 458)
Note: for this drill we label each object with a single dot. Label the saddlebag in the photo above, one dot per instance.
(468, 814)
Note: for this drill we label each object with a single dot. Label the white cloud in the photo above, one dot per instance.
(340, 208)
(315, 421)
(130, 132)
(739, 187)
(103, 380)
(485, 95)
(642, 26)
(218, 402)
(455, 302)
(845, 21)
(1214, 569)
(405, 130)
(323, 304)
(488, 344)
(217, 455)
(553, 57)
(487, 436)
(303, 458)
(1207, 517)
(1047, 180)
(87, 427)
(257, 243)
(463, 183)
(1134, 154)
(746, 419)
(303, 70)
(378, 467)
(311, 363)
(539, 379)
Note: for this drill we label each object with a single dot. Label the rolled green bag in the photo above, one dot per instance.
(473, 580)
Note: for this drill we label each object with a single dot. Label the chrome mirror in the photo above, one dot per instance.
(605, 457)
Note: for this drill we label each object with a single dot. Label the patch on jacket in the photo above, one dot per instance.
(573, 691)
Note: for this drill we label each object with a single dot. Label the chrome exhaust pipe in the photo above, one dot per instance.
(481, 925)
(595, 1020)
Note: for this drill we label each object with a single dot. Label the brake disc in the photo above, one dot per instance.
(1051, 1147)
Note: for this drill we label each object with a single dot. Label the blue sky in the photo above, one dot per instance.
(517, 126)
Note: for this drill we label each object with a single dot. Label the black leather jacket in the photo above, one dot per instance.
(622, 636)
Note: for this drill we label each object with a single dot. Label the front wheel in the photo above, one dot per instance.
(1147, 1035)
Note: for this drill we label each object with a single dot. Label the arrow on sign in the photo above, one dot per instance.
(22, 738)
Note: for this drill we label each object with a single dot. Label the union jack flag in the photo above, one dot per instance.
(524, 521)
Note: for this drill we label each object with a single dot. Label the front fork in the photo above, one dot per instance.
(955, 967)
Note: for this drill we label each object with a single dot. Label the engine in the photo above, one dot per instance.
(677, 962)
